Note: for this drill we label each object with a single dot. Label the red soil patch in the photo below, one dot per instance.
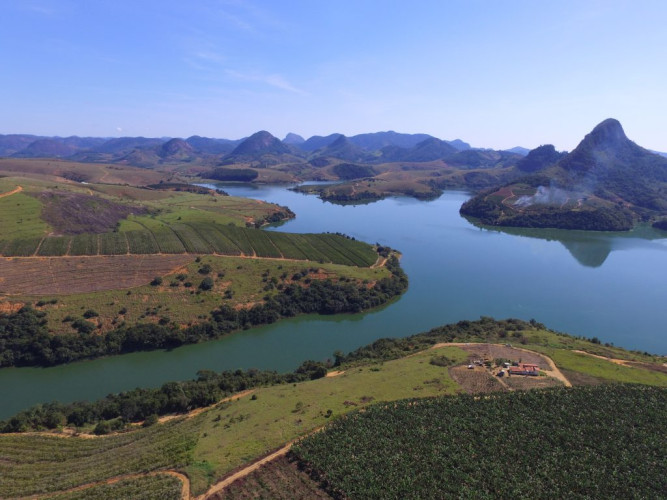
(10, 307)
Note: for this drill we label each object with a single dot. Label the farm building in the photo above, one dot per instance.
(524, 369)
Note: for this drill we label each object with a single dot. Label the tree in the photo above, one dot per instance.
(206, 284)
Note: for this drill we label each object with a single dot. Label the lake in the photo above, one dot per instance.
(608, 285)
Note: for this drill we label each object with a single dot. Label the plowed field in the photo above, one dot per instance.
(67, 275)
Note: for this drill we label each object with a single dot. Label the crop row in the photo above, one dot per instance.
(587, 442)
(153, 487)
(199, 238)
(41, 464)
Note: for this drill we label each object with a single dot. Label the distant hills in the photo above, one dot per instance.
(261, 146)
(607, 183)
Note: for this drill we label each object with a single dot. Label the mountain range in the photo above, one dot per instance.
(142, 151)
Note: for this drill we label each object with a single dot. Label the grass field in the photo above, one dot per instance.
(20, 217)
(245, 429)
(603, 369)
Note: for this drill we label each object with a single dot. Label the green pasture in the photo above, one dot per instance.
(237, 432)
(178, 299)
(603, 369)
(20, 217)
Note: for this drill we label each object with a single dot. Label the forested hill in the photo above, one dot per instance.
(607, 183)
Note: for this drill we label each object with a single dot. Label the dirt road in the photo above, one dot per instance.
(13, 191)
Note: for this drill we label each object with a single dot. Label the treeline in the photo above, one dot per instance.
(231, 174)
(280, 215)
(25, 340)
(350, 171)
(492, 213)
(147, 404)
(485, 329)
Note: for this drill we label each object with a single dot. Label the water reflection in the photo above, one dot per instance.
(590, 248)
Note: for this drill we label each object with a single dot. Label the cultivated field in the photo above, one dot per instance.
(81, 219)
(280, 479)
(475, 381)
(71, 275)
(154, 236)
(38, 464)
(562, 443)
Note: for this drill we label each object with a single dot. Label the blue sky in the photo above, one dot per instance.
(494, 73)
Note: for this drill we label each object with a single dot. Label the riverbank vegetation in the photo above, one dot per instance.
(234, 432)
(25, 339)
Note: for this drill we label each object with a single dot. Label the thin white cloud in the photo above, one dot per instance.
(40, 9)
(249, 16)
(273, 80)
(207, 55)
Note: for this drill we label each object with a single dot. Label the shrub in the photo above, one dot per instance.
(206, 284)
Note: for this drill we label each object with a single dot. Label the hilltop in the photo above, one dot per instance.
(607, 183)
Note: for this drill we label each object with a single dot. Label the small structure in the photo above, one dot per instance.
(524, 369)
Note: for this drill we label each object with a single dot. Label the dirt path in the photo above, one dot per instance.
(380, 262)
(511, 195)
(18, 189)
(194, 413)
(553, 372)
(622, 362)
(335, 373)
(218, 487)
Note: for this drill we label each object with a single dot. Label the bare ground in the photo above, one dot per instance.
(279, 480)
(525, 382)
(476, 381)
(67, 275)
